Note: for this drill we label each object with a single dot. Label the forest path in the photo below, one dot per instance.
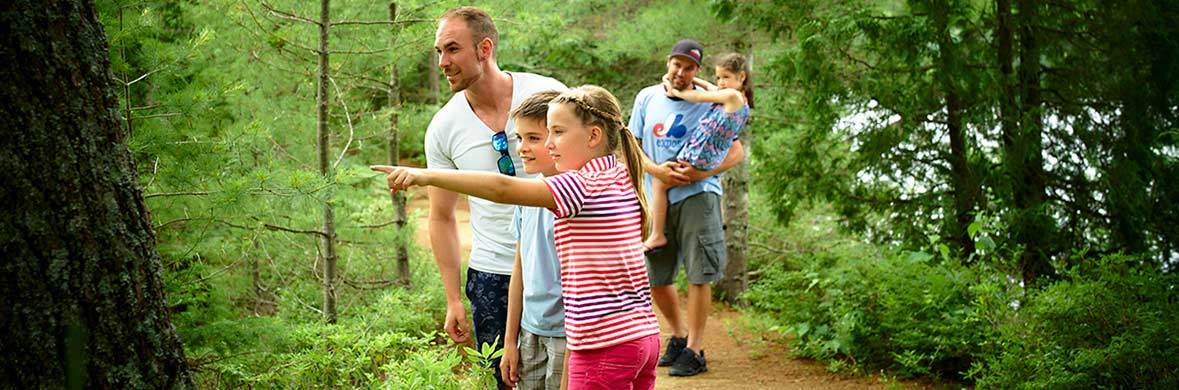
(735, 361)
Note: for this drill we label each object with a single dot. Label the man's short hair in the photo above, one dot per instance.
(535, 107)
(477, 20)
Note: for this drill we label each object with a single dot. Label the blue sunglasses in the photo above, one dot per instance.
(499, 142)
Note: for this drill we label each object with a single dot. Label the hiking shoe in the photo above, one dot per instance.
(675, 345)
(689, 363)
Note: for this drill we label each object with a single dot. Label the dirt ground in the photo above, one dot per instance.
(735, 362)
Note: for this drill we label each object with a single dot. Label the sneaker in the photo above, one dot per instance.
(689, 363)
(675, 345)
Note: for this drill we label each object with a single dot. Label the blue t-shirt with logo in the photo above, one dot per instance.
(663, 125)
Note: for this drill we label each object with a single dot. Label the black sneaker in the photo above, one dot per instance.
(689, 363)
(675, 345)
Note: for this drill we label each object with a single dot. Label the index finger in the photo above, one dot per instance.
(382, 168)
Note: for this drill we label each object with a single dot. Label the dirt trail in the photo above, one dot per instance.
(733, 364)
(737, 364)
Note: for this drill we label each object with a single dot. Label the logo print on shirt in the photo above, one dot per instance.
(676, 130)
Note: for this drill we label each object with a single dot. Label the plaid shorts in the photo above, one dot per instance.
(542, 360)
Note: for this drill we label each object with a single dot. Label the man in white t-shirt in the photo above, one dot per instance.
(473, 131)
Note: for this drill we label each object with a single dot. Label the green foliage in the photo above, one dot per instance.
(903, 312)
(388, 341)
(1108, 324)
(861, 118)
(839, 299)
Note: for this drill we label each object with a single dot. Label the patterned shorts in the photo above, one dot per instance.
(488, 294)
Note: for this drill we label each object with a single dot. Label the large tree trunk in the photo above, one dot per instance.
(736, 205)
(1032, 228)
(965, 186)
(324, 136)
(432, 77)
(393, 150)
(83, 298)
(736, 210)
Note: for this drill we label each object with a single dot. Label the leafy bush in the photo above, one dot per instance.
(1108, 324)
(907, 311)
(385, 346)
(902, 312)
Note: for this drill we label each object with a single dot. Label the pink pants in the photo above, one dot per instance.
(627, 366)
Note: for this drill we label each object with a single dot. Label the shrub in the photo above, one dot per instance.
(1108, 324)
(903, 312)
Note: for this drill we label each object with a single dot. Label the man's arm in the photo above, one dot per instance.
(444, 241)
(665, 172)
(735, 156)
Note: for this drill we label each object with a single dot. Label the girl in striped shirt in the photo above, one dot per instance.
(610, 326)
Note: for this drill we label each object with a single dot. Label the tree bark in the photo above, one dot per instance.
(393, 150)
(736, 205)
(323, 132)
(1032, 228)
(83, 296)
(966, 189)
(432, 77)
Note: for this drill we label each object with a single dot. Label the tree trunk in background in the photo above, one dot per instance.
(328, 241)
(965, 186)
(736, 208)
(84, 303)
(736, 213)
(432, 76)
(1023, 146)
(393, 150)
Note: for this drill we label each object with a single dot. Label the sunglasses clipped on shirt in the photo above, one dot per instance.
(499, 142)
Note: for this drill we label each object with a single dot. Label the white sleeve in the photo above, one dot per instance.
(438, 155)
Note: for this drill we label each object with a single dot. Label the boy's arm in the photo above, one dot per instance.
(509, 364)
(565, 372)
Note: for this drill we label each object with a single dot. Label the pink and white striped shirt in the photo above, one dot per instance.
(603, 272)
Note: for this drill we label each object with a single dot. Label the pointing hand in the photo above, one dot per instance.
(398, 178)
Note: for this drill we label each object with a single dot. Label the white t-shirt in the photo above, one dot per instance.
(457, 139)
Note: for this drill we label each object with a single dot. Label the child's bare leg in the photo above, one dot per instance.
(658, 216)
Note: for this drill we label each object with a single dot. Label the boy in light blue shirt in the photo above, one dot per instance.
(534, 340)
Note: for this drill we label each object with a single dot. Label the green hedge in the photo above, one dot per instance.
(1110, 325)
(903, 312)
(1107, 325)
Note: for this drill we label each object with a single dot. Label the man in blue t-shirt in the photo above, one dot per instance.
(694, 228)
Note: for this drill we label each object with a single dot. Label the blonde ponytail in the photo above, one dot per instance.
(633, 155)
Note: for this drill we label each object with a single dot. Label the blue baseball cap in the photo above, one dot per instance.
(688, 48)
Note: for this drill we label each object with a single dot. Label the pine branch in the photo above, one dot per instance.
(373, 51)
(371, 22)
(189, 193)
(368, 284)
(270, 226)
(288, 15)
(348, 116)
(283, 40)
(379, 225)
